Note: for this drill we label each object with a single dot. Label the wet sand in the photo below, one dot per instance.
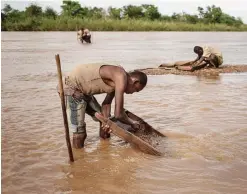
(203, 72)
(146, 134)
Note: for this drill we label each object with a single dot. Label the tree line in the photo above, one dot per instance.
(73, 9)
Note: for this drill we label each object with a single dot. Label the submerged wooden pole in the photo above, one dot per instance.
(66, 127)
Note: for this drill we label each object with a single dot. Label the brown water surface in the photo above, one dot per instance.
(205, 118)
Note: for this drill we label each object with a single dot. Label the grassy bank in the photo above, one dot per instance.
(70, 24)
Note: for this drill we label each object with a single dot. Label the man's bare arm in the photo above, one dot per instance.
(198, 57)
(119, 113)
(106, 105)
(198, 62)
(126, 119)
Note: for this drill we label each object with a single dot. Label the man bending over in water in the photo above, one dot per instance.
(207, 56)
(90, 79)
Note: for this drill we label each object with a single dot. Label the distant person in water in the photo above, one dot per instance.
(84, 35)
(207, 57)
(87, 80)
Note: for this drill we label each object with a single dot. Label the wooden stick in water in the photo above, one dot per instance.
(66, 127)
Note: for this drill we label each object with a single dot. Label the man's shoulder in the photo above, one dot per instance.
(115, 70)
(210, 47)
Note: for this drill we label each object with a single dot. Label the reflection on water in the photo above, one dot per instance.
(204, 118)
(209, 78)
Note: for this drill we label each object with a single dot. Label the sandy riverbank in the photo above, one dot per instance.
(213, 72)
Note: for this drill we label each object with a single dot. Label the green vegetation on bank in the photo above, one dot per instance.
(127, 18)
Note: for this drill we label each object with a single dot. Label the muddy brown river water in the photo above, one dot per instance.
(205, 118)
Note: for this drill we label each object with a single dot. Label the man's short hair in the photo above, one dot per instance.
(197, 48)
(142, 77)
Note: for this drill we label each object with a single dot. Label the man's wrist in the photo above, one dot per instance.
(112, 118)
(132, 123)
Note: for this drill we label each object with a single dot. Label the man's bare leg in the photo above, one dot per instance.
(184, 68)
(77, 109)
(176, 64)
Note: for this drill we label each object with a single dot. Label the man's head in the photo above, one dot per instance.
(198, 50)
(82, 29)
(137, 80)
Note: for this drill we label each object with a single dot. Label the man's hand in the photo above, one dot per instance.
(136, 126)
(106, 128)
